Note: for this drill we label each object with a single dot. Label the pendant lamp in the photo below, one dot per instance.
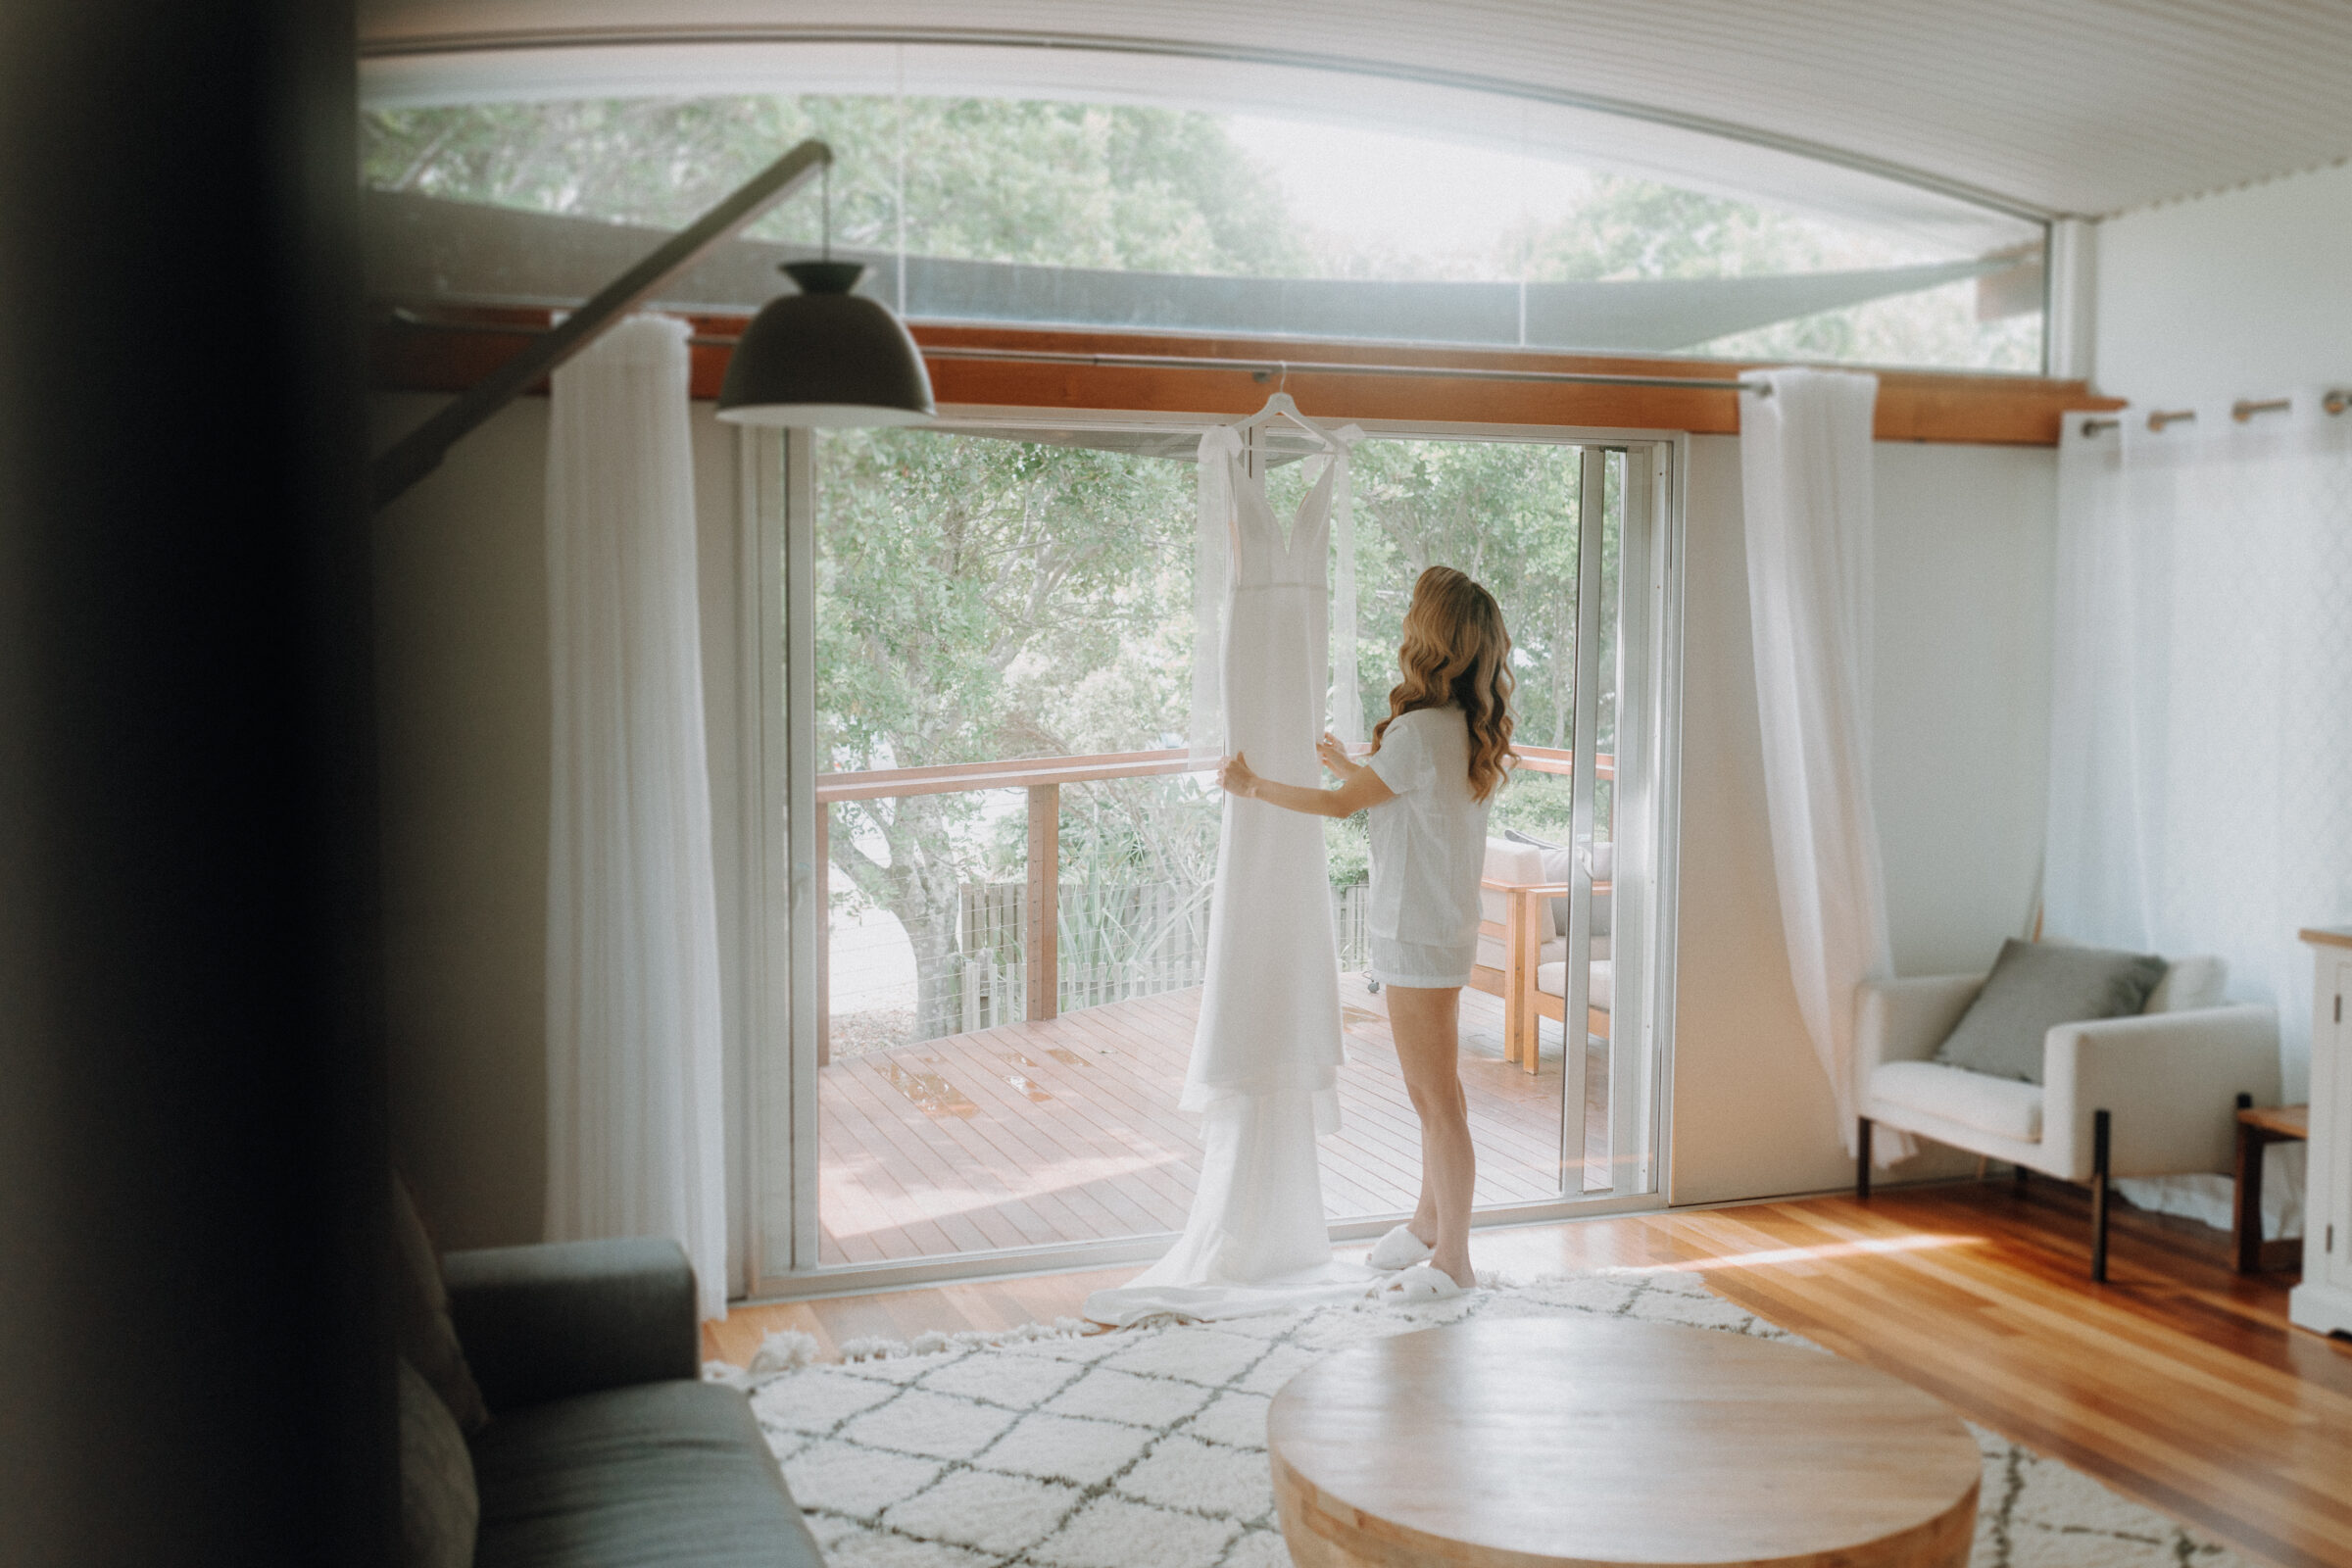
(825, 357)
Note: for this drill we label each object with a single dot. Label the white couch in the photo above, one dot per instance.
(2148, 1094)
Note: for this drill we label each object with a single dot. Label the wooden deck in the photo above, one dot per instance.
(1067, 1130)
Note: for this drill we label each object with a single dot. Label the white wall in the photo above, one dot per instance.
(1960, 715)
(1963, 563)
(462, 694)
(463, 681)
(2228, 296)
(1960, 745)
(2239, 294)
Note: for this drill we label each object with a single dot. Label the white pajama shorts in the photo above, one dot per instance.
(1419, 964)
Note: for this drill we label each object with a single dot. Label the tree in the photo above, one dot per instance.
(979, 599)
(986, 180)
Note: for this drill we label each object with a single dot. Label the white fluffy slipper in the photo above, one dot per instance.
(1420, 1283)
(1399, 1248)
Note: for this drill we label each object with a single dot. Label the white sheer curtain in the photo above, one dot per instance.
(1805, 477)
(634, 1135)
(2201, 724)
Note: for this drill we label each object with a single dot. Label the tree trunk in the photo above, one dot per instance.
(919, 888)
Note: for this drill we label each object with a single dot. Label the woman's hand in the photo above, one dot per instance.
(1334, 752)
(1360, 787)
(1235, 777)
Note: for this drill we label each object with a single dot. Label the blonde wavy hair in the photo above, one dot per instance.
(1456, 651)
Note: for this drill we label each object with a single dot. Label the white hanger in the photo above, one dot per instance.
(1281, 407)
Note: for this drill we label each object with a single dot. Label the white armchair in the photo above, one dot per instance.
(2151, 1095)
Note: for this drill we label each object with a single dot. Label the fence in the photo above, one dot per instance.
(1106, 941)
(1116, 942)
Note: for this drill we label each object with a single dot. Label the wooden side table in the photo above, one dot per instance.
(1602, 1443)
(2258, 1128)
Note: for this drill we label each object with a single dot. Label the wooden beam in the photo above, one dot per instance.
(456, 348)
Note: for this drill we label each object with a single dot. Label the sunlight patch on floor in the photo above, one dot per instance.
(1781, 1256)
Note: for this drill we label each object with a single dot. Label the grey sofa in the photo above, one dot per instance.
(603, 1445)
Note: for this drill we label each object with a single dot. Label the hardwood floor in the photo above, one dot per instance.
(2177, 1381)
(1066, 1130)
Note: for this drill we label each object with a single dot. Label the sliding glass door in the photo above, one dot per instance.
(999, 866)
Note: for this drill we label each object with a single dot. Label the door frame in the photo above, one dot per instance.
(776, 654)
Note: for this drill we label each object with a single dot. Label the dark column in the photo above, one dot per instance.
(2246, 1227)
(2099, 1130)
(192, 1170)
(1862, 1157)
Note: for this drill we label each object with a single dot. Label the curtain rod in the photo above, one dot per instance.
(1259, 370)
(2242, 411)
(1271, 370)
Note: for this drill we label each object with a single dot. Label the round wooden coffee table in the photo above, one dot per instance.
(1531, 1442)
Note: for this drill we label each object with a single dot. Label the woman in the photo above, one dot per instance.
(1437, 760)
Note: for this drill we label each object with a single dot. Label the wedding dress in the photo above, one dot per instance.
(1266, 1052)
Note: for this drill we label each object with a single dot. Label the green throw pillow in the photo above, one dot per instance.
(422, 1329)
(440, 1507)
(2035, 987)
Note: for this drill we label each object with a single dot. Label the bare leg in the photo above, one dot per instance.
(1425, 1022)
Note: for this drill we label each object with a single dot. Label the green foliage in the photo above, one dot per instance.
(985, 178)
(1506, 514)
(1536, 803)
(1116, 186)
(984, 599)
(1347, 845)
(1634, 228)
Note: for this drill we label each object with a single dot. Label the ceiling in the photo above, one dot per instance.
(2038, 108)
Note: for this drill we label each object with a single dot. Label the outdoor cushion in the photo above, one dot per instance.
(1552, 978)
(674, 1473)
(1520, 865)
(2034, 988)
(2002, 1106)
(1603, 864)
(1557, 864)
(1551, 866)
(1490, 954)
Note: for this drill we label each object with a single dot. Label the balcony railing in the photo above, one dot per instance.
(992, 971)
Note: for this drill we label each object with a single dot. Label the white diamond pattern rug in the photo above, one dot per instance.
(1146, 1449)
